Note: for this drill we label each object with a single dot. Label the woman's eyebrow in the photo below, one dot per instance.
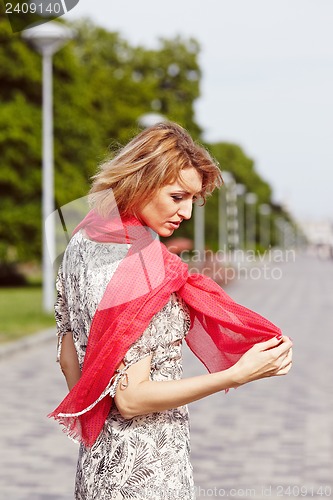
(183, 191)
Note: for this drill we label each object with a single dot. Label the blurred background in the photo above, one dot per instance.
(252, 81)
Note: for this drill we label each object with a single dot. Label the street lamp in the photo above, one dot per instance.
(228, 210)
(250, 226)
(222, 211)
(264, 225)
(222, 218)
(199, 230)
(150, 119)
(240, 190)
(280, 226)
(47, 39)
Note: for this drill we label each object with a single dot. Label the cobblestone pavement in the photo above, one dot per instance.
(270, 439)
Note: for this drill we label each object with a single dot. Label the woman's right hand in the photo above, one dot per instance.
(265, 359)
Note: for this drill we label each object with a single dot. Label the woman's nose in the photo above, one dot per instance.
(185, 210)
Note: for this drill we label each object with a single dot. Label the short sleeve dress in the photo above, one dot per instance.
(145, 457)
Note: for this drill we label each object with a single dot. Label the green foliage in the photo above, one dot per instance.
(102, 85)
(20, 179)
(19, 66)
(232, 158)
(174, 76)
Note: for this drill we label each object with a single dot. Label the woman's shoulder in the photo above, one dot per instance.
(84, 245)
(91, 254)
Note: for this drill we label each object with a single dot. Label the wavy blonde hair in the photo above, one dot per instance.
(151, 160)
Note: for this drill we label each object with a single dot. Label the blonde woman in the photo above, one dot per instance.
(125, 305)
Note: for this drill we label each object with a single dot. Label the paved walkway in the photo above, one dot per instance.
(270, 439)
(274, 438)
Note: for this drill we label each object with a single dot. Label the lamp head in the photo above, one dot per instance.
(150, 119)
(49, 37)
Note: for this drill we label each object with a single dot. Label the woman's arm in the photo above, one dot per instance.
(69, 362)
(142, 396)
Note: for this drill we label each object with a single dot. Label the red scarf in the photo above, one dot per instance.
(221, 330)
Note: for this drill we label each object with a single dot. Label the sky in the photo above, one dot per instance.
(267, 82)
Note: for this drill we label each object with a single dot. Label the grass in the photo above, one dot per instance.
(21, 312)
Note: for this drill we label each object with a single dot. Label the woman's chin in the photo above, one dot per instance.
(164, 232)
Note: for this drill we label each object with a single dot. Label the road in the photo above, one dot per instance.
(270, 439)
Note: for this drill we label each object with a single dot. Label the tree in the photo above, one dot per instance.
(102, 85)
(172, 75)
(20, 128)
(232, 158)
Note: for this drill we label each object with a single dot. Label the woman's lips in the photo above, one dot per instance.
(175, 225)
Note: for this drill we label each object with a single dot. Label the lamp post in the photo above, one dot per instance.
(228, 210)
(280, 226)
(264, 225)
(47, 39)
(240, 190)
(250, 225)
(232, 216)
(222, 218)
(199, 231)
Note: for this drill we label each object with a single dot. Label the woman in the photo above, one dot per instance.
(124, 306)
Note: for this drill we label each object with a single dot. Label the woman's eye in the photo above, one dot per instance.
(176, 198)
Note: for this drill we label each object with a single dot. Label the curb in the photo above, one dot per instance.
(28, 342)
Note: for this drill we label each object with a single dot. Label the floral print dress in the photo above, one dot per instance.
(145, 457)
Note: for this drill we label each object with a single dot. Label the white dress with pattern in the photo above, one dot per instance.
(146, 457)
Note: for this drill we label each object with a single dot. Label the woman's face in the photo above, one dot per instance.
(171, 204)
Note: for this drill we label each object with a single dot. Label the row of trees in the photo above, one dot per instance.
(102, 85)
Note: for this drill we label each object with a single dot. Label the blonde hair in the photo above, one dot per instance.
(152, 159)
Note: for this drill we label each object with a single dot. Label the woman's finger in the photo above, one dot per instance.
(286, 360)
(270, 344)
